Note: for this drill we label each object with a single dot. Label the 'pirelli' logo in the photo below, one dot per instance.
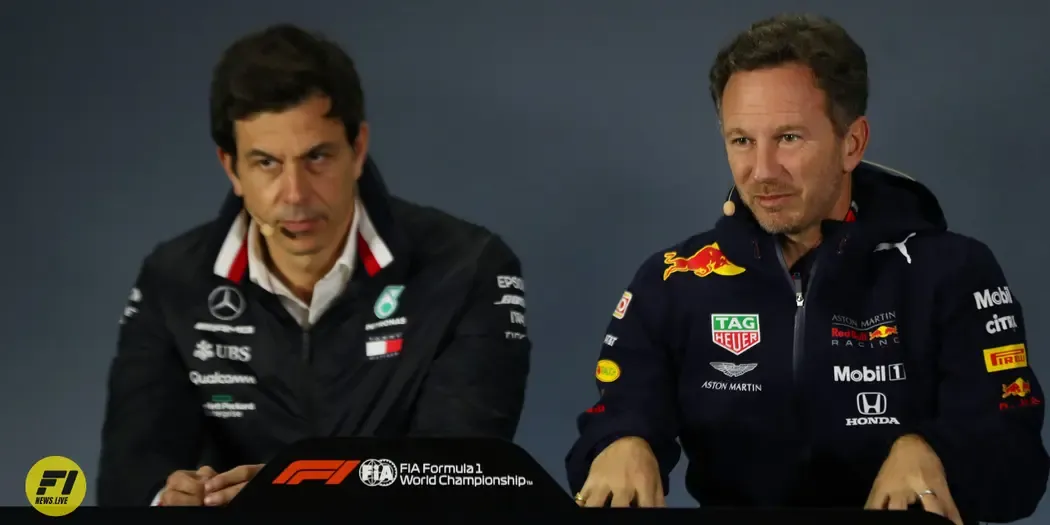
(1005, 357)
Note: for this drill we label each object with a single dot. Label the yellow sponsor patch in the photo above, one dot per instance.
(607, 371)
(1005, 357)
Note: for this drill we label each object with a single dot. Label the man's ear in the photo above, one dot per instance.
(229, 165)
(855, 144)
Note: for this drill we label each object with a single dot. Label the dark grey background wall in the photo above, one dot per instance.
(580, 130)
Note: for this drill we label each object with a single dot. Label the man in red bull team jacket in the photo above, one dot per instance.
(829, 342)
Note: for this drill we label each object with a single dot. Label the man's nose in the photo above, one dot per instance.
(767, 166)
(296, 184)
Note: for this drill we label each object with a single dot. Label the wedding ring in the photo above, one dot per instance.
(926, 492)
(578, 498)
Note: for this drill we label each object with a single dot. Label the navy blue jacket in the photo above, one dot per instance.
(787, 388)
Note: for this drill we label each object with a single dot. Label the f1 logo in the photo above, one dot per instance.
(871, 403)
(332, 471)
(50, 479)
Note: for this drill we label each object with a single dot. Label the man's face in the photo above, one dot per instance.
(297, 172)
(788, 164)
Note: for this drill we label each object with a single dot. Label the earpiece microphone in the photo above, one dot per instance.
(264, 228)
(729, 207)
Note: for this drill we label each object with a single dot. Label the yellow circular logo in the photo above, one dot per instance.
(56, 486)
(607, 371)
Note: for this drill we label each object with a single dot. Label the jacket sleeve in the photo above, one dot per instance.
(476, 385)
(636, 381)
(153, 421)
(990, 404)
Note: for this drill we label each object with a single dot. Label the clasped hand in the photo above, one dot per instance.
(205, 486)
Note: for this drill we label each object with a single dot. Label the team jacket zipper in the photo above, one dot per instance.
(309, 408)
(799, 288)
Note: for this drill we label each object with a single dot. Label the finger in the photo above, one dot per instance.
(229, 478)
(647, 498)
(584, 494)
(952, 512)
(224, 496)
(900, 500)
(597, 497)
(205, 473)
(621, 498)
(660, 500)
(931, 503)
(186, 483)
(171, 498)
(944, 497)
(876, 499)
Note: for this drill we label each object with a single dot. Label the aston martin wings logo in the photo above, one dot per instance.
(733, 369)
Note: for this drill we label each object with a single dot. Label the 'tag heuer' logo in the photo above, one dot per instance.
(704, 262)
(1019, 388)
(1005, 357)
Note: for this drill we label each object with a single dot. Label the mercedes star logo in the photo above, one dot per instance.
(226, 303)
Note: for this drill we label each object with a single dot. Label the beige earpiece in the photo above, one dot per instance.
(729, 207)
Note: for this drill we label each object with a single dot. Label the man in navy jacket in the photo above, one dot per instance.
(829, 342)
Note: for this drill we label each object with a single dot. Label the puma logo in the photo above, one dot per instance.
(898, 245)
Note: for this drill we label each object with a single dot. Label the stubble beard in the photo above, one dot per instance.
(805, 214)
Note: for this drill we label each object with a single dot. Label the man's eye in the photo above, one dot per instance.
(317, 156)
(790, 137)
(739, 141)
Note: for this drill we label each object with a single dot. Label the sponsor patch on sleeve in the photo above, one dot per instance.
(512, 282)
(607, 371)
(992, 297)
(1018, 394)
(1005, 357)
(621, 307)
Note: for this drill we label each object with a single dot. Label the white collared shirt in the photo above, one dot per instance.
(325, 292)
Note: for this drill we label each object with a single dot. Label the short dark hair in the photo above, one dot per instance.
(837, 61)
(278, 68)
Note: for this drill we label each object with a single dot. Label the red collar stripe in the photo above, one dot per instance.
(367, 258)
(232, 260)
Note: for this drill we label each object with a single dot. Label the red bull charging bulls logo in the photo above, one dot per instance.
(1019, 388)
(704, 262)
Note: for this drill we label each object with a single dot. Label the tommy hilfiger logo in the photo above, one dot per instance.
(383, 348)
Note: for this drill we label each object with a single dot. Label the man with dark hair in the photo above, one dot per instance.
(315, 304)
(829, 342)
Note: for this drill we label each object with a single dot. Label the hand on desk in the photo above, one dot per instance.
(627, 471)
(223, 487)
(205, 486)
(911, 472)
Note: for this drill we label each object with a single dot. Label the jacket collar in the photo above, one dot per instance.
(887, 206)
(379, 239)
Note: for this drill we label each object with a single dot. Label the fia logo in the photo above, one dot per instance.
(387, 303)
(378, 472)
